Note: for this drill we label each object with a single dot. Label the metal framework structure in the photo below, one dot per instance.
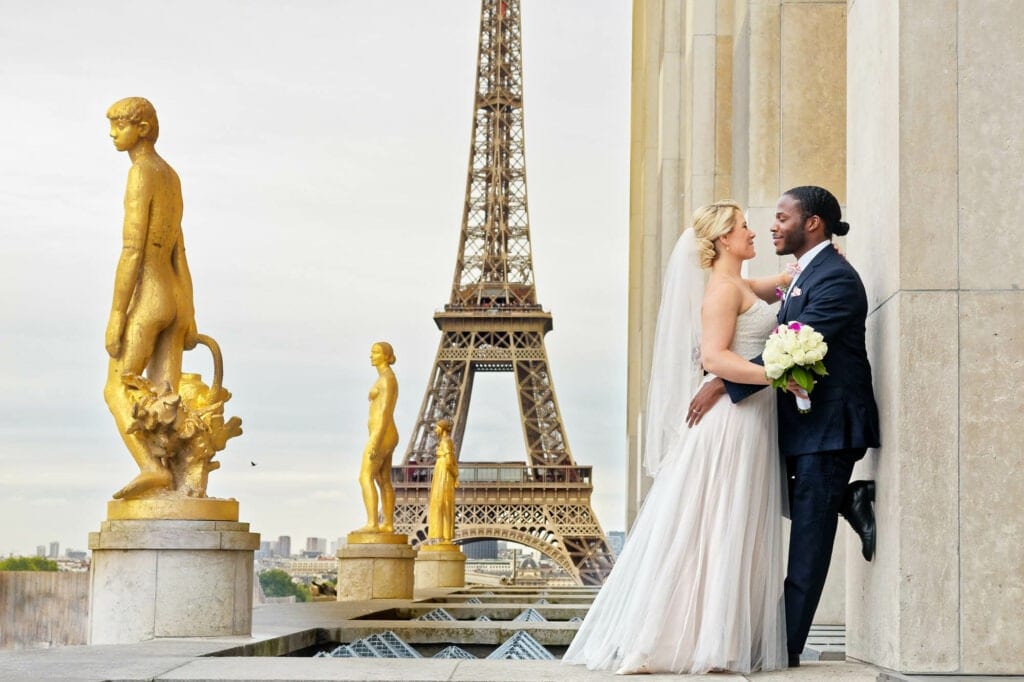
(493, 323)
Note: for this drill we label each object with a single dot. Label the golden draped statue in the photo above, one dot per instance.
(441, 515)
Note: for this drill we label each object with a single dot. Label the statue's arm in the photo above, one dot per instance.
(137, 198)
(180, 264)
(446, 449)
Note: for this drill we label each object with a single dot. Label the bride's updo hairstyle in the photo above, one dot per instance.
(820, 202)
(711, 222)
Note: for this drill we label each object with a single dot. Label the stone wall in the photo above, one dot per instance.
(936, 156)
(43, 608)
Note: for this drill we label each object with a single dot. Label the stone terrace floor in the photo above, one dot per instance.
(279, 629)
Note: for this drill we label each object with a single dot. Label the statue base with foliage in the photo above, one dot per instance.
(182, 430)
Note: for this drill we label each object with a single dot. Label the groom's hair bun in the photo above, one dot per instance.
(822, 203)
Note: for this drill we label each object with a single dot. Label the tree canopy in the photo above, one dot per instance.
(277, 583)
(27, 563)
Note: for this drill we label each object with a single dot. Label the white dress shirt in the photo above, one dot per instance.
(805, 260)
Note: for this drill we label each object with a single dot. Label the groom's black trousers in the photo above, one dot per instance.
(817, 487)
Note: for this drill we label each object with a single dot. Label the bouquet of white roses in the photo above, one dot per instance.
(795, 351)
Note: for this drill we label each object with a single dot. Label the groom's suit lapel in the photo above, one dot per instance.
(793, 305)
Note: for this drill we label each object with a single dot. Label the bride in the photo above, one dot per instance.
(698, 586)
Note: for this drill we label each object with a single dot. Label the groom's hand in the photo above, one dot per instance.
(796, 389)
(705, 399)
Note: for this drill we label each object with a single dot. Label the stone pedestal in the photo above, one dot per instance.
(170, 578)
(442, 565)
(375, 570)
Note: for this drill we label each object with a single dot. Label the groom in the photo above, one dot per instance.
(820, 447)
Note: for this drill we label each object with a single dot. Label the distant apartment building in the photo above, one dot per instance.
(54, 550)
(77, 565)
(481, 549)
(284, 546)
(336, 545)
(616, 540)
(322, 568)
(316, 546)
(490, 566)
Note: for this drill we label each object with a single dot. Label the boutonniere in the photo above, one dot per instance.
(796, 291)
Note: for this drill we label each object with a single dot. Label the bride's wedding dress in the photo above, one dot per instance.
(698, 586)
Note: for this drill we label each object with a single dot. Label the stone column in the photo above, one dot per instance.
(645, 243)
(797, 136)
(789, 129)
(789, 108)
(170, 577)
(680, 158)
(936, 158)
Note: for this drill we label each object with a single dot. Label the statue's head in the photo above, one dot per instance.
(443, 426)
(131, 119)
(382, 352)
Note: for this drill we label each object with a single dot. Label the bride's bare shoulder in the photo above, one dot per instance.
(723, 293)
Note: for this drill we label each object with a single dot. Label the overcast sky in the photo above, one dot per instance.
(322, 148)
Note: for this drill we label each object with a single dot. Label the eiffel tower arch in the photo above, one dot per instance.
(493, 323)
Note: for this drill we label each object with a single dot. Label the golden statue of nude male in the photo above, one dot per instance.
(172, 428)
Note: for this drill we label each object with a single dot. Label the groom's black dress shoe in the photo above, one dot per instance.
(857, 510)
(794, 660)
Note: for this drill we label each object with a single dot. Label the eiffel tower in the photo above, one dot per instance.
(493, 323)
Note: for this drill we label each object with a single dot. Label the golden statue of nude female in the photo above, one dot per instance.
(375, 472)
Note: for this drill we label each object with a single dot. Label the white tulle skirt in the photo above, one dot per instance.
(698, 586)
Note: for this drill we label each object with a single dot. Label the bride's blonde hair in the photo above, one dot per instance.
(711, 222)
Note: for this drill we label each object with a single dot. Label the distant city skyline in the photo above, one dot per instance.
(327, 546)
(322, 148)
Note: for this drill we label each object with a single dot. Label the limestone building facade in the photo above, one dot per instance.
(910, 112)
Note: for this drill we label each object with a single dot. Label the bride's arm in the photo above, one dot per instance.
(765, 287)
(721, 307)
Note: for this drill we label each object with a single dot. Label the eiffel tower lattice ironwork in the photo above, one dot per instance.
(493, 323)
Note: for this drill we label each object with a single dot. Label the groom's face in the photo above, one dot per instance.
(788, 234)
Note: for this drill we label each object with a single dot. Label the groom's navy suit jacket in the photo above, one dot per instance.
(830, 297)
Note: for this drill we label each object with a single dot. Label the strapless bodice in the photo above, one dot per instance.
(752, 329)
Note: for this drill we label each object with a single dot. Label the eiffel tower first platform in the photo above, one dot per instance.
(493, 323)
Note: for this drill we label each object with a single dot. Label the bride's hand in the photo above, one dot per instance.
(705, 399)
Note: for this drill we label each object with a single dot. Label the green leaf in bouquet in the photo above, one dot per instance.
(803, 377)
(819, 368)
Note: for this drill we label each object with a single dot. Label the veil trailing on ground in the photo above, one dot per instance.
(675, 369)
